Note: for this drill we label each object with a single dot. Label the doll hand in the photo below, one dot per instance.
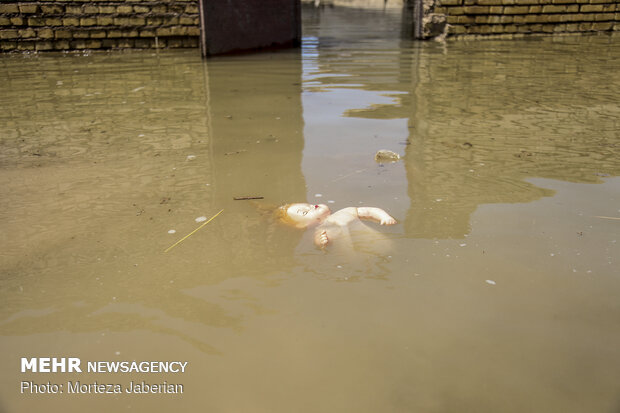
(388, 221)
(323, 240)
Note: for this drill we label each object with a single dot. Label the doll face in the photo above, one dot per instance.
(306, 214)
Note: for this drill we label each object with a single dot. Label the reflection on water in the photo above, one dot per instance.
(497, 291)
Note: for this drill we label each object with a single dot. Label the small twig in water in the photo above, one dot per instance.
(245, 198)
(606, 217)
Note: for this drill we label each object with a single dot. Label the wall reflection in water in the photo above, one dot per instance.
(481, 118)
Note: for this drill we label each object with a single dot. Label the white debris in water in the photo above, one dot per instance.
(462, 245)
(490, 282)
(318, 195)
(338, 266)
(200, 219)
(141, 135)
(172, 231)
(439, 200)
(118, 353)
(191, 157)
(207, 184)
(330, 201)
(552, 254)
(137, 89)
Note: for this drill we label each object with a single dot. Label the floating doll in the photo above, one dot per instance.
(330, 226)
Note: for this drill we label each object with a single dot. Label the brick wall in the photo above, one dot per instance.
(98, 24)
(522, 17)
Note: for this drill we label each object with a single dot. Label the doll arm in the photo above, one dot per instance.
(375, 214)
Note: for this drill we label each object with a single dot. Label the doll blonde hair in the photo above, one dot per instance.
(281, 214)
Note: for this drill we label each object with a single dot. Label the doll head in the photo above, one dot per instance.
(302, 215)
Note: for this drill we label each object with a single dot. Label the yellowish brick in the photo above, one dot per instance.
(465, 19)
(17, 21)
(591, 8)
(124, 10)
(70, 21)
(62, 45)
(88, 21)
(63, 34)
(476, 9)
(8, 34)
(27, 33)
(191, 8)
(9, 8)
(455, 30)
(52, 9)
(188, 21)
(45, 33)
(515, 9)
(36, 21)
(28, 8)
(53, 21)
(105, 20)
(193, 31)
(97, 34)
(554, 8)
(147, 33)
(45, 45)
(496, 10)
(604, 17)
(6, 46)
(602, 26)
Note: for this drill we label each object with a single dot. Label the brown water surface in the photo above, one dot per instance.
(497, 291)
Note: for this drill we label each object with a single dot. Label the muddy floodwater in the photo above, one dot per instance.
(497, 291)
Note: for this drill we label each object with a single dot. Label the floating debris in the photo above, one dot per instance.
(172, 231)
(318, 195)
(245, 198)
(201, 219)
(235, 152)
(385, 155)
(191, 157)
(491, 282)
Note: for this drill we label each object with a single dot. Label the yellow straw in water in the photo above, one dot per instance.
(191, 233)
